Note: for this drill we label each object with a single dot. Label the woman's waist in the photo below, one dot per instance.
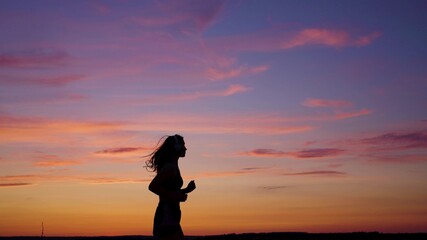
(167, 201)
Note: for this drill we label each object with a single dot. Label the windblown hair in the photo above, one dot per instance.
(163, 154)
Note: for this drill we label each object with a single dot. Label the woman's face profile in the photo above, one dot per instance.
(183, 150)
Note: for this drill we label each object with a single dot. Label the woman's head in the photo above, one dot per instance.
(172, 147)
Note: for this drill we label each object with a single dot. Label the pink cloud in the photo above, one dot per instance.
(334, 116)
(58, 163)
(328, 37)
(34, 59)
(51, 131)
(302, 154)
(345, 115)
(316, 102)
(261, 152)
(282, 39)
(47, 160)
(215, 74)
(317, 36)
(233, 89)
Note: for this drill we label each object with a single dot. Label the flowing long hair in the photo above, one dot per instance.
(163, 153)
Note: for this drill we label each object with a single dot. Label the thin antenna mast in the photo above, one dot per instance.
(42, 230)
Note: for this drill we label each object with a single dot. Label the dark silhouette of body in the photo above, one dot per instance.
(167, 185)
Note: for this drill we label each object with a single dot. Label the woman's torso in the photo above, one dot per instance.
(174, 183)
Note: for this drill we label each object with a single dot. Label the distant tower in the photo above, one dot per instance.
(42, 235)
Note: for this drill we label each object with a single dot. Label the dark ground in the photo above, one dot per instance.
(258, 236)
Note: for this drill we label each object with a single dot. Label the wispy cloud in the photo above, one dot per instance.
(188, 15)
(396, 159)
(121, 150)
(15, 184)
(26, 180)
(283, 39)
(336, 106)
(316, 102)
(173, 98)
(215, 124)
(317, 153)
(34, 59)
(401, 147)
(367, 39)
(112, 180)
(101, 7)
(327, 37)
(302, 154)
(221, 174)
(399, 140)
(272, 188)
(321, 173)
(23, 180)
(39, 130)
(56, 98)
(262, 152)
(43, 81)
(48, 160)
(254, 123)
(346, 115)
(216, 73)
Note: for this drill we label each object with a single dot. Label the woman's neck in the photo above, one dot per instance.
(174, 160)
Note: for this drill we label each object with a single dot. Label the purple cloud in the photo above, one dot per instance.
(400, 140)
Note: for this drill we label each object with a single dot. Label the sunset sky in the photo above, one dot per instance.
(298, 115)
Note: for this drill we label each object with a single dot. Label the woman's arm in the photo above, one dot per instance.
(190, 187)
(156, 186)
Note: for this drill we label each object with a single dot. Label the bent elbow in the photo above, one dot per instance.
(152, 188)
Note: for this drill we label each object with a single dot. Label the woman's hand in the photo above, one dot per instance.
(190, 187)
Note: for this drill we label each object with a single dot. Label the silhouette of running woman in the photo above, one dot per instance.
(167, 185)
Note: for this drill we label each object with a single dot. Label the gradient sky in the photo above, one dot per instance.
(297, 115)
